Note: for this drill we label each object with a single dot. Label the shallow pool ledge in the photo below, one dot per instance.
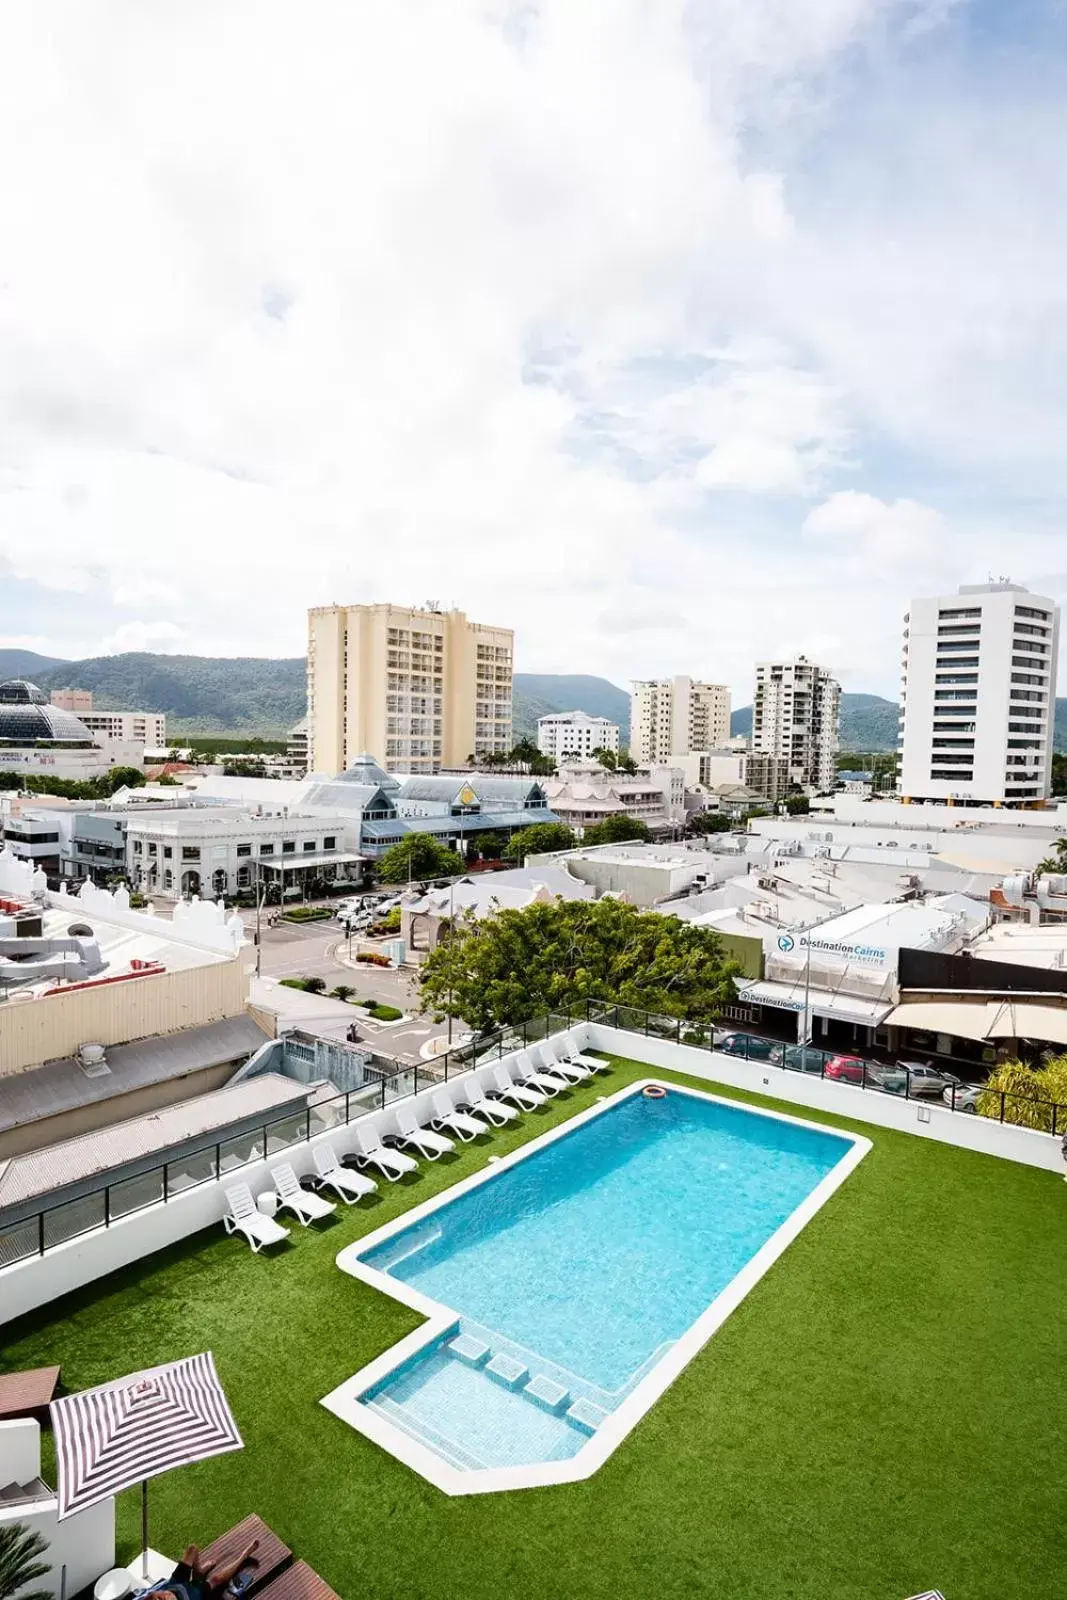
(349, 1400)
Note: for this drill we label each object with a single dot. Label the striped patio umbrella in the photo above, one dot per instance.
(125, 1432)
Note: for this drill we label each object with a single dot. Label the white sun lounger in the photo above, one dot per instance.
(307, 1207)
(574, 1053)
(424, 1140)
(371, 1152)
(506, 1088)
(461, 1123)
(243, 1217)
(351, 1186)
(495, 1110)
(529, 1070)
(552, 1060)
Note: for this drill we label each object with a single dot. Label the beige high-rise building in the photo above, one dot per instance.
(419, 689)
(675, 716)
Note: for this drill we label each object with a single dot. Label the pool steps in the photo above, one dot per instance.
(538, 1387)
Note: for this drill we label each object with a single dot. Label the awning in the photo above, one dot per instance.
(1029, 1019)
(839, 1007)
(334, 858)
(957, 1018)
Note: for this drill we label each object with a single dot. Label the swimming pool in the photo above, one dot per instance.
(567, 1285)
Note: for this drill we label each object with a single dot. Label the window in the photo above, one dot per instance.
(308, 845)
(963, 775)
(167, 852)
(1026, 677)
(958, 677)
(960, 611)
(190, 852)
(168, 879)
(152, 849)
(244, 849)
(136, 846)
(288, 847)
(266, 849)
(330, 842)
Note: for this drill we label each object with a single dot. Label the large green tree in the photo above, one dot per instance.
(617, 830)
(514, 965)
(709, 822)
(540, 839)
(418, 856)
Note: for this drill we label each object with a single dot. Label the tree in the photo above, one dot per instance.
(626, 763)
(1056, 863)
(709, 822)
(418, 856)
(617, 830)
(21, 1549)
(797, 805)
(540, 839)
(607, 758)
(1029, 1094)
(123, 778)
(488, 845)
(514, 965)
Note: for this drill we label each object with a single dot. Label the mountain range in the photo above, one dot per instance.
(263, 695)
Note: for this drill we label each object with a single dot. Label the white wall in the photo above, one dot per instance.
(83, 1543)
(1024, 1145)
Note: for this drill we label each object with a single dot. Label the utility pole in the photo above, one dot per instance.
(259, 908)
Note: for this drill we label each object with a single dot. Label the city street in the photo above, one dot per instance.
(319, 950)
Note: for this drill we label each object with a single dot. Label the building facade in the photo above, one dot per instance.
(424, 689)
(795, 713)
(674, 716)
(978, 696)
(575, 733)
(133, 727)
(213, 854)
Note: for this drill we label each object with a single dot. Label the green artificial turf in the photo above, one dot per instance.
(886, 1412)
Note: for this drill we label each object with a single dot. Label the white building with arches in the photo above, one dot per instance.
(216, 853)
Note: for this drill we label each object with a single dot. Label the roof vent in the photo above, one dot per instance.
(92, 1058)
(79, 930)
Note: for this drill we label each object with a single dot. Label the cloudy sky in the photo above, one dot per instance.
(671, 335)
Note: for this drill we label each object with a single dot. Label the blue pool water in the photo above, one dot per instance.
(583, 1261)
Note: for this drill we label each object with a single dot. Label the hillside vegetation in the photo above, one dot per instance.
(261, 695)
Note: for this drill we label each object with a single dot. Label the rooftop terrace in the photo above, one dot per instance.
(883, 1413)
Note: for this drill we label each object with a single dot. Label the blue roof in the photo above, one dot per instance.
(483, 822)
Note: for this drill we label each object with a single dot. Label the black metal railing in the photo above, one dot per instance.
(55, 1225)
(929, 1085)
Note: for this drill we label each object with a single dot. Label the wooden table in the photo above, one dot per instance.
(299, 1582)
(270, 1557)
(27, 1394)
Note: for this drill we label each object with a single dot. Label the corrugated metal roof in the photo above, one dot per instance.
(62, 1085)
(58, 1166)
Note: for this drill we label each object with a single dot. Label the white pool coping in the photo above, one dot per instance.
(344, 1401)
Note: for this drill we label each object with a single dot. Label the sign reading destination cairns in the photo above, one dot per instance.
(871, 955)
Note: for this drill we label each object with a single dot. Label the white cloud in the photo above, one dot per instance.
(563, 315)
(165, 638)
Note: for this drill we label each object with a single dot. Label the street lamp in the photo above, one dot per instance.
(260, 891)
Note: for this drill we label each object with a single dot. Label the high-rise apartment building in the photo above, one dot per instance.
(675, 716)
(419, 689)
(794, 720)
(978, 696)
(575, 733)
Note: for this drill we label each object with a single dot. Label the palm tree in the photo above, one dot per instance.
(20, 1549)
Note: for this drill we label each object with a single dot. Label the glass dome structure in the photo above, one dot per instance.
(27, 718)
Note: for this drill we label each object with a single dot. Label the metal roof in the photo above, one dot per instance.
(59, 1166)
(59, 1086)
(478, 822)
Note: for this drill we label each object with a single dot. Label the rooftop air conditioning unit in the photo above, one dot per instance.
(92, 1058)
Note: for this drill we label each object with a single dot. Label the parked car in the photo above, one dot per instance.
(926, 1080)
(803, 1058)
(966, 1096)
(846, 1069)
(750, 1045)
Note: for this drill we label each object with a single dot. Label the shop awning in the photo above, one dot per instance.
(839, 1007)
(960, 1020)
(1029, 1019)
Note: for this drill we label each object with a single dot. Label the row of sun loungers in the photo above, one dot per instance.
(535, 1075)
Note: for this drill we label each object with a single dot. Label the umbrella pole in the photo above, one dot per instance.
(144, 1526)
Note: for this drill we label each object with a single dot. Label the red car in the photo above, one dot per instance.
(847, 1069)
